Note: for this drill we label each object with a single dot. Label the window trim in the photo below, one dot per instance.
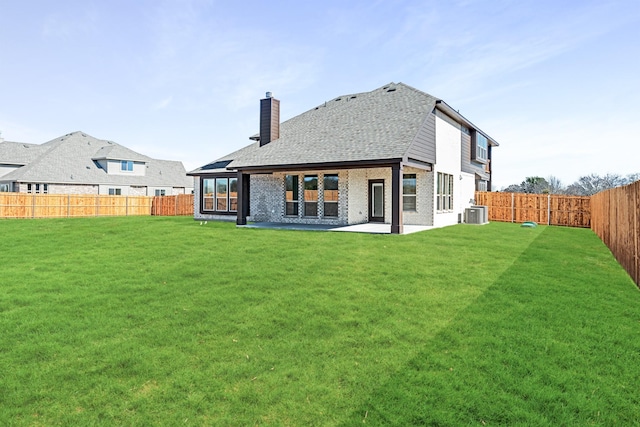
(479, 153)
(444, 192)
(330, 202)
(229, 177)
(126, 165)
(295, 196)
(311, 201)
(414, 195)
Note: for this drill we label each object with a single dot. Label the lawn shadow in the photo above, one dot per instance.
(538, 347)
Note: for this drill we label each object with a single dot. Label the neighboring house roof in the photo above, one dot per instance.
(369, 126)
(71, 159)
(19, 153)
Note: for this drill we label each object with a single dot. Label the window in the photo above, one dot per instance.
(409, 192)
(444, 199)
(126, 165)
(160, 192)
(115, 191)
(233, 194)
(331, 195)
(220, 194)
(481, 185)
(291, 194)
(4, 188)
(36, 188)
(480, 146)
(311, 195)
(207, 194)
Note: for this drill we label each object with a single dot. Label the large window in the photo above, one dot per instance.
(409, 192)
(331, 195)
(291, 194)
(445, 192)
(126, 165)
(311, 195)
(220, 194)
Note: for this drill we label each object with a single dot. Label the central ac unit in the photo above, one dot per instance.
(476, 215)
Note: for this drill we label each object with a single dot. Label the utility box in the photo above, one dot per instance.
(476, 215)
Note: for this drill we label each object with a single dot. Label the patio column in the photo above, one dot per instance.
(243, 198)
(396, 199)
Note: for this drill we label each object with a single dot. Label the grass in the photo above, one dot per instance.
(161, 321)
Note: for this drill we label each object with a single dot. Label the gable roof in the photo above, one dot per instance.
(71, 159)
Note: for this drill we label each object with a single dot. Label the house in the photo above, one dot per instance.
(78, 163)
(395, 155)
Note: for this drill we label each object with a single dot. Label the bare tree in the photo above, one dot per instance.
(555, 185)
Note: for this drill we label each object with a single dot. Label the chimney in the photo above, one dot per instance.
(269, 119)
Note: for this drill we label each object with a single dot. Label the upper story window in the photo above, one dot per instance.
(479, 147)
(161, 192)
(115, 192)
(126, 165)
(409, 192)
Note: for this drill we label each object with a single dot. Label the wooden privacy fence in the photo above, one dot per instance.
(551, 209)
(181, 204)
(20, 205)
(616, 220)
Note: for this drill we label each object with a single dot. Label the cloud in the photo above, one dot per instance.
(163, 104)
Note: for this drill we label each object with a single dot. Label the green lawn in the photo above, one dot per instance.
(162, 321)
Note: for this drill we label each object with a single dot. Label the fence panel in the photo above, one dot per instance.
(181, 204)
(20, 205)
(616, 220)
(572, 211)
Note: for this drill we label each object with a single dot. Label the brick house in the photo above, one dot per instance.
(395, 155)
(78, 163)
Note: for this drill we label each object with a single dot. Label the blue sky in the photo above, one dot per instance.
(556, 83)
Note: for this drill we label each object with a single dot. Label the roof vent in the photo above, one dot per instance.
(391, 89)
(338, 99)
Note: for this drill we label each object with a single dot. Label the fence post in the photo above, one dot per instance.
(513, 208)
(68, 205)
(549, 209)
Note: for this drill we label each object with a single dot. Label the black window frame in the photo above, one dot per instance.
(230, 201)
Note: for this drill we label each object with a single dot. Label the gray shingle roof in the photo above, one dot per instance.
(18, 153)
(70, 159)
(375, 125)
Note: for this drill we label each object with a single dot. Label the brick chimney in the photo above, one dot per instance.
(269, 119)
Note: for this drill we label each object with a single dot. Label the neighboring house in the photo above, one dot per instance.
(77, 163)
(394, 155)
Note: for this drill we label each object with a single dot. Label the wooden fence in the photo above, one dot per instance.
(550, 209)
(20, 205)
(616, 220)
(181, 204)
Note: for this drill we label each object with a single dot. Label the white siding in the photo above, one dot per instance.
(448, 153)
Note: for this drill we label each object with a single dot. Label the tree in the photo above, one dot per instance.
(555, 185)
(591, 184)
